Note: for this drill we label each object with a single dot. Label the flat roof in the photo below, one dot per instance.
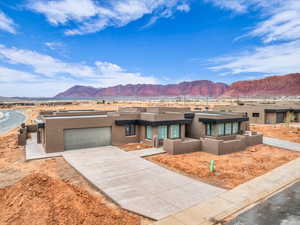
(72, 117)
(216, 113)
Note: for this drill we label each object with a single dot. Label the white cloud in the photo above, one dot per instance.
(7, 24)
(61, 11)
(280, 20)
(11, 75)
(55, 75)
(44, 64)
(282, 23)
(239, 6)
(279, 31)
(93, 15)
(183, 7)
(272, 59)
(112, 74)
(54, 45)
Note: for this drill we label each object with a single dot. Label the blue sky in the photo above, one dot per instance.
(49, 46)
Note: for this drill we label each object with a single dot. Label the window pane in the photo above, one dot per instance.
(130, 130)
(149, 132)
(208, 129)
(221, 129)
(235, 128)
(174, 129)
(228, 128)
(162, 132)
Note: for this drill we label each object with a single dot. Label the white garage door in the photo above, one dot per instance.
(87, 137)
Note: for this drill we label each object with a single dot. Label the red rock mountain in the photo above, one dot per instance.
(287, 85)
(269, 86)
(201, 87)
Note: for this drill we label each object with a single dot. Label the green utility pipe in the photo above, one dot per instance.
(212, 166)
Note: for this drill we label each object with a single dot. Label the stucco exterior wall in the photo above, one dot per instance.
(197, 128)
(54, 130)
(162, 117)
(297, 117)
(22, 136)
(210, 145)
(270, 118)
(179, 146)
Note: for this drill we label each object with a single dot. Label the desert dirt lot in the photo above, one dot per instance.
(232, 169)
(281, 131)
(51, 192)
(134, 146)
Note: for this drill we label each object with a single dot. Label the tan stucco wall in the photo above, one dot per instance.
(162, 117)
(197, 129)
(177, 146)
(54, 130)
(270, 118)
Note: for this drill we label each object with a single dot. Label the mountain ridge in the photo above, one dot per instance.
(283, 85)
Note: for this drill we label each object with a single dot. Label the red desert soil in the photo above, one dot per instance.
(71, 187)
(41, 200)
(134, 146)
(284, 132)
(232, 169)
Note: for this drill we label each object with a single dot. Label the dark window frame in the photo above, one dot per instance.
(146, 136)
(224, 129)
(256, 114)
(206, 129)
(130, 130)
(169, 131)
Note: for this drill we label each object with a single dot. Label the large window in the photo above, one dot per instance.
(174, 131)
(221, 129)
(235, 128)
(162, 132)
(149, 132)
(130, 130)
(208, 129)
(228, 129)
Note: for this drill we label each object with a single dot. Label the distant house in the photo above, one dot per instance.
(266, 113)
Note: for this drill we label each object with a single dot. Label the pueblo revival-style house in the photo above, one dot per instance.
(178, 130)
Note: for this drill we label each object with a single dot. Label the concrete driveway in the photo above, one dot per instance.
(138, 185)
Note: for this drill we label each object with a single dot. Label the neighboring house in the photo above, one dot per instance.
(266, 113)
(68, 130)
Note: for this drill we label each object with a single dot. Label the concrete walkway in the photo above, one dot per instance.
(147, 152)
(233, 202)
(282, 143)
(138, 185)
(36, 151)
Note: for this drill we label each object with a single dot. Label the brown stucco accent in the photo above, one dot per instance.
(270, 118)
(181, 146)
(221, 147)
(54, 130)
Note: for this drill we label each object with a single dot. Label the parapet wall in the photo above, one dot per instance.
(211, 145)
(221, 147)
(181, 146)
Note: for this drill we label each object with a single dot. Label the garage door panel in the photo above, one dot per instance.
(87, 138)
